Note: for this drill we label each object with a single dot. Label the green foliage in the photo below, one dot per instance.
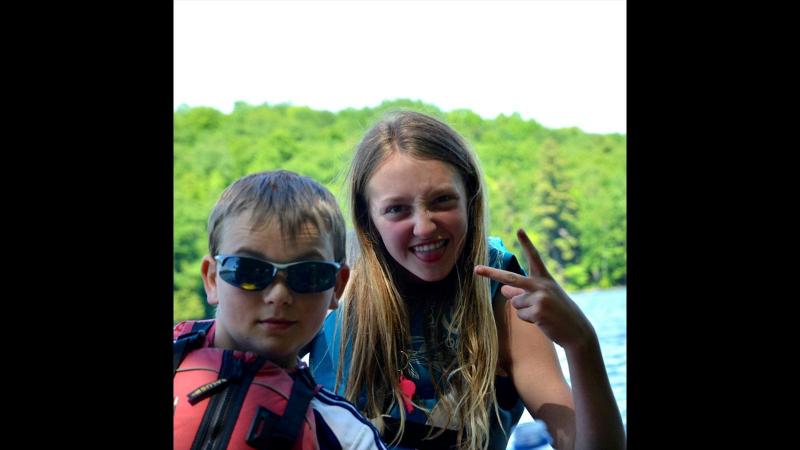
(566, 188)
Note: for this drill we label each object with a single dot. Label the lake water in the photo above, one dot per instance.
(606, 309)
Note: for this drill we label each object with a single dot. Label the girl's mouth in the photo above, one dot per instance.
(430, 251)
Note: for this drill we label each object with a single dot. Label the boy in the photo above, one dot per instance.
(275, 267)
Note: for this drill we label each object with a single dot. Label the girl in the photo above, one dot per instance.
(431, 351)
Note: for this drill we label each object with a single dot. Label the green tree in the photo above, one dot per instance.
(555, 213)
(564, 186)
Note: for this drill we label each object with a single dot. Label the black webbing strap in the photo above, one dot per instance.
(222, 413)
(189, 341)
(270, 430)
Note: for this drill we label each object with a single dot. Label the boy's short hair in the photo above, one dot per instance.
(280, 195)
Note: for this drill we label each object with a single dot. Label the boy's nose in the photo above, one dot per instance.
(278, 291)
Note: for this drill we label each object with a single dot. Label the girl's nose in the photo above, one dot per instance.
(423, 224)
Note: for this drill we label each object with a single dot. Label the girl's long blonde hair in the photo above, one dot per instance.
(375, 319)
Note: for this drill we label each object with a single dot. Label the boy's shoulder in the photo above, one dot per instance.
(340, 424)
(206, 326)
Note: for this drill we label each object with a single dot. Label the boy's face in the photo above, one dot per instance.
(276, 321)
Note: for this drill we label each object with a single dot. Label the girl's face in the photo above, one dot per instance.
(419, 207)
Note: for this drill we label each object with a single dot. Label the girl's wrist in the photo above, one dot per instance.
(585, 345)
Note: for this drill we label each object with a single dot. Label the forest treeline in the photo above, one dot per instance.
(565, 187)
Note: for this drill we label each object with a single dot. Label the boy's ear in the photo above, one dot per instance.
(208, 269)
(341, 282)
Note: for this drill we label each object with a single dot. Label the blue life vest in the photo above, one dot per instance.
(324, 355)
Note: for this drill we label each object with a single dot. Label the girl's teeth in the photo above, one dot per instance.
(429, 247)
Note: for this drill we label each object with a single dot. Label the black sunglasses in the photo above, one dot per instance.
(253, 274)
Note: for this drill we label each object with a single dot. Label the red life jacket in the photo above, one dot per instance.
(227, 399)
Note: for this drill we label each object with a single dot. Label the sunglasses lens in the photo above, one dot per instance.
(311, 277)
(254, 275)
(246, 273)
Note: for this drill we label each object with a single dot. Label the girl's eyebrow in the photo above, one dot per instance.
(433, 192)
(450, 190)
(392, 199)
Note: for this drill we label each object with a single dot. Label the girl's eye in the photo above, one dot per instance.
(394, 209)
(445, 201)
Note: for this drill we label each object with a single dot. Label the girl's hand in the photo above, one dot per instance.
(540, 300)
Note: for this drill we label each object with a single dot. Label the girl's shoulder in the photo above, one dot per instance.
(501, 258)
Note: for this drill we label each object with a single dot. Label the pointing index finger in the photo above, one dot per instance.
(504, 277)
(537, 267)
